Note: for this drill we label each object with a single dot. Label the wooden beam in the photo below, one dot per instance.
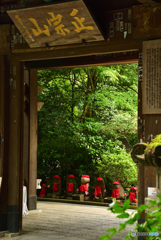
(94, 60)
(88, 49)
(149, 2)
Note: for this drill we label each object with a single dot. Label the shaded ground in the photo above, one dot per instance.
(63, 221)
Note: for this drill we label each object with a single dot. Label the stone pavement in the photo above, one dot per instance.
(64, 221)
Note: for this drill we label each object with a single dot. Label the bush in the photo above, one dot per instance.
(152, 222)
(118, 166)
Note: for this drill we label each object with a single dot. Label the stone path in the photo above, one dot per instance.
(63, 221)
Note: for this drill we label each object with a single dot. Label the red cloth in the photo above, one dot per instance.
(116, 193)
(100, 179)
(55, 187)
(134, 188)
(116, 182)
(132, 196)
(43, 190)
(86, 176)
(98, 191)
(56, 176)
(71, 176)
(83, 187)
(70, 187)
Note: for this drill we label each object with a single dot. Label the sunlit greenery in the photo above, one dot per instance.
(85, 111)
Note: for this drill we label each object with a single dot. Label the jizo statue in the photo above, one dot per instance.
(99, 188)
(71, 185)
(117, 191)
(84, 188)
(56, 186)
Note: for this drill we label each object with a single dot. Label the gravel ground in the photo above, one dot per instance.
(64, 221)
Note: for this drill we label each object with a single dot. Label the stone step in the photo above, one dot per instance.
(2, 233)
(11, 234)
(7, 234)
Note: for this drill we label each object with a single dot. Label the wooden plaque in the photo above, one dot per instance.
(119, 25)
(147, 22)
(56, 24)
(151, 77)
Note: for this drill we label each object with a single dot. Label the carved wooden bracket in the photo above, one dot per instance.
(149, 2)
(146, 156)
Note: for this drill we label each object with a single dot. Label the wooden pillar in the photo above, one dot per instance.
(1, 113)
(152, 128)
(32, 198)
(4, 122)
(146, 128)
(26, 128)
(15, 170)
(140, 136)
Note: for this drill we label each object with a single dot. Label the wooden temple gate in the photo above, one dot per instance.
(34, 36)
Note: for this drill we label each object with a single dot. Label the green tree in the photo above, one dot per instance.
(85, 110)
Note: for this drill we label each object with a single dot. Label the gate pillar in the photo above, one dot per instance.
(4, 134)
(15, 149)
(11, 144)
(32, 197)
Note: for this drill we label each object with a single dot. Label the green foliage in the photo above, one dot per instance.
(118, 165)
(155, 142)
(85, 111)
(152, 221)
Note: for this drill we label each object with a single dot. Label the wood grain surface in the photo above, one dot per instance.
(56, 24)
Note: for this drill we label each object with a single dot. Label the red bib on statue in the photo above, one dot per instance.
(55, 187)
(83, 187)
(70, 187)
(98, 191)
(43, 190)
(115, 193)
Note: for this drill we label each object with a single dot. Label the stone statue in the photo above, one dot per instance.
(43, 190)
(71, 185)
(132, 194)
(117, 191)
(84, 188)
(99, 188)
(56, 186)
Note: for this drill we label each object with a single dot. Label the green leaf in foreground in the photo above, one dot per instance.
(117, 208)
(105, 237)
(126, 204)
(113, 230)
(123, 215)
(122, 226)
